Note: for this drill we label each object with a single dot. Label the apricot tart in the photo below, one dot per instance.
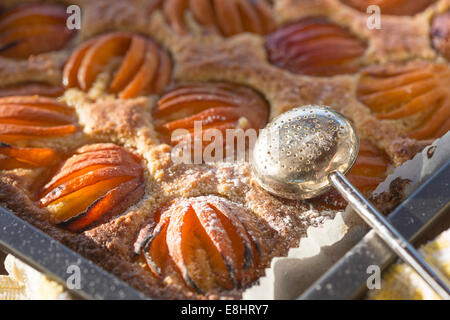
(90, 120)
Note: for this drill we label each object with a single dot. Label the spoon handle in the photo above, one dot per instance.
(390, 235)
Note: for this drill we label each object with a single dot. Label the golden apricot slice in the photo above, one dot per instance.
(99, 54)
(70, 72)
(218, 106)
(392, 7)
(32, 117)
(206, 241)
(97, 180)
(440, 33)
(144, 75)
(369, 170)
(315, 46)
(33, 29)
(14, 157)
(395, 93)
(137, 65)
(221, 16)
(130, 64)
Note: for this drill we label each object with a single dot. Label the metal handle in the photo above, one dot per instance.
(390, 235)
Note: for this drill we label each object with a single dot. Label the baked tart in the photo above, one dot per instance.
(89, 122)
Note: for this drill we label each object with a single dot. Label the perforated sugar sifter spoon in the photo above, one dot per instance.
(307, 150)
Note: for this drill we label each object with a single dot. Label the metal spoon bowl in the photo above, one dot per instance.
(295, 153)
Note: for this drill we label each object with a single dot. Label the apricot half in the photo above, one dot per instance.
(97, 180)
(398, 92)
(315, 46)
(32, 117)
(219, 106)
(33, 29)
(225, 17)
(205, 240)
(143, 68)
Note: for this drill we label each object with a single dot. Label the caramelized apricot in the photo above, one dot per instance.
(440, 33)
(315, 46)
(401, 92)
(205, 240)
(144, 68)
(33, 29)
(13, 157)
(226, 17)
(97, 180)
(34, 117)
(392, 7)
(218, 106)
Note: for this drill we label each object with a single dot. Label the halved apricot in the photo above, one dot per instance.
(205, 240)
(33, 29)
(31, 117)
(395, 93)
(95, 181)
(218, 106)
(315, 46)
(222, 16)
(143, 68)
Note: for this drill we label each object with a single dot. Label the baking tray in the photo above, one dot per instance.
(53, 259)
